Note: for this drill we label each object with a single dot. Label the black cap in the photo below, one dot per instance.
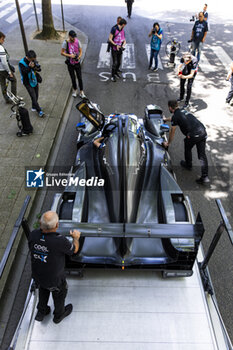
(72, 34)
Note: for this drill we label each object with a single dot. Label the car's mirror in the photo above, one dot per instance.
(92, 112)
(164, 128)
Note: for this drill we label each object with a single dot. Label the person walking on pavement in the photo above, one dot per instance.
(48, 249)
(195, 134)
(6, 71)
(187, 71)
(205, 13)
(156, 35)
(29, 68)
(129, 7)
(118, 42)
(198, 35)
(72, 50)
(230, 78)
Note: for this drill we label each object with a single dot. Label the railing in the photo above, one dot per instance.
(20, 221)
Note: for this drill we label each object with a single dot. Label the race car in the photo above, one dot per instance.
(123, 196)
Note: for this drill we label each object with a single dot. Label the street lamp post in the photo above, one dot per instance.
(62, 14)
(21, 27)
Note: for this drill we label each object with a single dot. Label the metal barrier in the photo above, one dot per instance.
(14, 234)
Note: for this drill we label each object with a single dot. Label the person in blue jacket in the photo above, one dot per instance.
(156, 35)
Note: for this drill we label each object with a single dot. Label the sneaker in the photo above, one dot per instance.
(179, 99)
(39, 316)
(186, 105)
(33, 110)
(67, 312)
(41, 114)
(155, 69)
(203, 180)
(82, 95)
(113, 79)
(74, 94)
(118, 75)
(185, 165)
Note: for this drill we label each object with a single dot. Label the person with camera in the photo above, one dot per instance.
(118, 42)
(72, 50)
(198, 35)
(187, 71)
(48, 249)
(29, 69)
(156, 35)
(6, 71)
(195, 134)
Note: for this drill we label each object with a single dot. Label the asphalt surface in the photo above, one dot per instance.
(129, 96)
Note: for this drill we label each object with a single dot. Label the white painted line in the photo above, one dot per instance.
(3, 3)
(104, 57)
(204, 65)
(38, 10)
(14, 17)
(160, 66)
(128, 59)
(222, 55)
(7, 10)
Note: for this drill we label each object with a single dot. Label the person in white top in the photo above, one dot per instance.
(6, 71)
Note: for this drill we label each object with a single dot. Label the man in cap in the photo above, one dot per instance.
(72, 50)
(187, 71)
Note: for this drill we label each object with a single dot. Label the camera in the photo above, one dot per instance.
(122, 48)
(37, 66)
(192, 19)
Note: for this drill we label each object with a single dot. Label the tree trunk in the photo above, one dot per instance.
(48, 30)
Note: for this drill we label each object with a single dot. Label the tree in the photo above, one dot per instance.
(48, 30)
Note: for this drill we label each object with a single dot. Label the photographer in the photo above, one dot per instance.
(29, 68)
(156, 35)
(72, 50)
(118, 42)
(6, 71)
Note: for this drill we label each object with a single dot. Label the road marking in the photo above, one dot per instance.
(4, 3)
(7, 10)
(128, 59)
(14, 17)
(104, 57)
(222, 55)
(205, 66)
(160, 66)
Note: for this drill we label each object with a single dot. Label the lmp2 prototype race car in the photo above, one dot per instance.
(124, 198)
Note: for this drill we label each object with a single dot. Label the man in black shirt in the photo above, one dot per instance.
(129, 7)
(187, 70)
(48, 249)
(195, 133)
(198, 35)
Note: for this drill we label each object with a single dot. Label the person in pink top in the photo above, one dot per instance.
(72, 50)
(118, 42)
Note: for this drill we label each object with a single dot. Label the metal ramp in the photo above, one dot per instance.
(114, 309)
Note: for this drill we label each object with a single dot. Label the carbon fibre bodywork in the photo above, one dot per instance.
(138, 216)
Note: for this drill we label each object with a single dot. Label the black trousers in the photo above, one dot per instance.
(75, 68)
(116, 61)
(34, 94)
(189, 88)
(58, 293)
(200, 143)
(3, 76)
(230, 93)
(129, 7)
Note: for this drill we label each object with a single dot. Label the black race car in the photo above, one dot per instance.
(123, 196)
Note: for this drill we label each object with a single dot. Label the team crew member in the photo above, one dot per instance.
(48, 249)
(230, 78)
(195, 134)
(72, 50)
(117, 39)
(187, 70)
(198, 35)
